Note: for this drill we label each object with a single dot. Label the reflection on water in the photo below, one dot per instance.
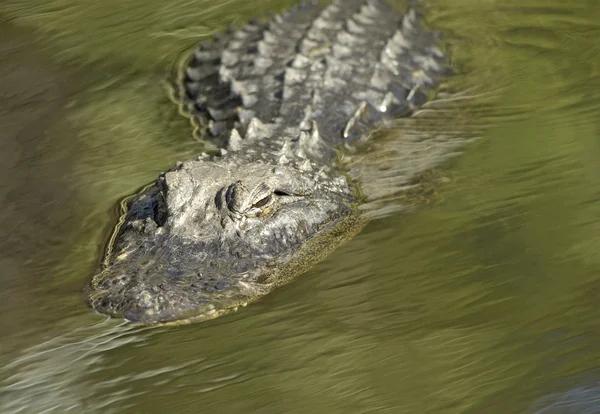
(52, 376)
(581, 399)
(482, 299)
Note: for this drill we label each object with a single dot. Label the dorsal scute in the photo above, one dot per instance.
(235, 140)
(341, 67)
(222, 77)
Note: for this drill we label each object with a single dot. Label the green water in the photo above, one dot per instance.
(483, 300)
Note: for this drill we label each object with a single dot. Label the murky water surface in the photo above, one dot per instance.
(484, 299)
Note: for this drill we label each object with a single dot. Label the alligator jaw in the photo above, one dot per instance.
(175, 300)
(140, 297)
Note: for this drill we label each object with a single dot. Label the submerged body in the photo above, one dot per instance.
(279, 98)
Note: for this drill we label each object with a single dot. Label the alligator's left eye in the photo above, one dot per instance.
(262, 202)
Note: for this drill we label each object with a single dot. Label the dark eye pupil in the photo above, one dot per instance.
(262, 202)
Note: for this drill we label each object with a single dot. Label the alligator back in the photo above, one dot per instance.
(218, 232)
(344, 66)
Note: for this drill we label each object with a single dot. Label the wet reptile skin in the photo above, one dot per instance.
(280, 98)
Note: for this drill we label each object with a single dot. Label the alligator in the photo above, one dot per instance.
(281, 99)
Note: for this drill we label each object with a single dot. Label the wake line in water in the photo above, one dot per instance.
(400, 170)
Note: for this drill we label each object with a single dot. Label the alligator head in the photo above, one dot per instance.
(213, 234)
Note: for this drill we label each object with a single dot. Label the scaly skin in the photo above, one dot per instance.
(279, 98)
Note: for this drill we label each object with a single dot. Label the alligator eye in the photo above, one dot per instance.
(262, 202)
